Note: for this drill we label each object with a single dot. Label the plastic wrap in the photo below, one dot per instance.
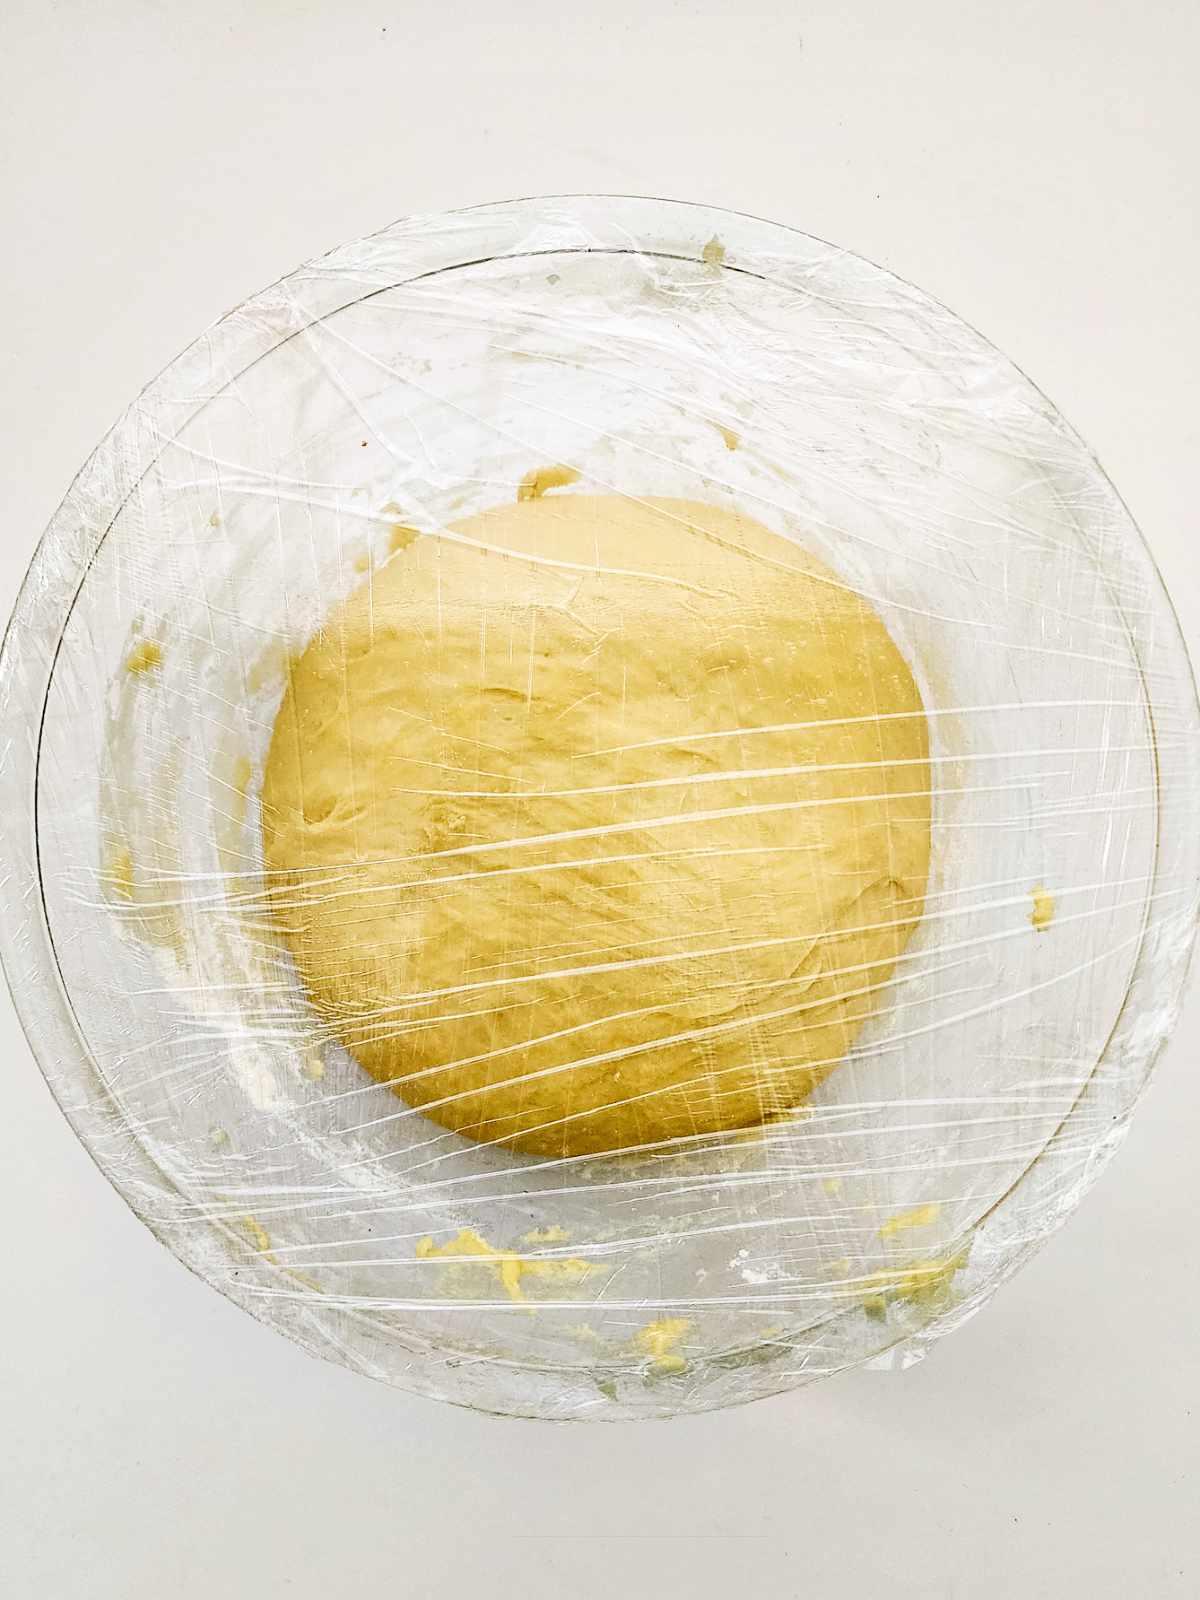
(653, 349)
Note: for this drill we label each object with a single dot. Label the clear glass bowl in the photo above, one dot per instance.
(660, 349)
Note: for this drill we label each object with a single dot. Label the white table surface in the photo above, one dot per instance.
(1033, 165)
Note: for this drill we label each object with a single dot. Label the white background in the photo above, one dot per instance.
(1033, 164)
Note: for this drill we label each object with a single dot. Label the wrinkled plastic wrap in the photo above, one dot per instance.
(657, 349)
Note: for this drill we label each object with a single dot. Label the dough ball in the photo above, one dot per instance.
(597, 822)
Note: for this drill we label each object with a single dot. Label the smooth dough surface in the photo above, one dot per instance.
(596, 822)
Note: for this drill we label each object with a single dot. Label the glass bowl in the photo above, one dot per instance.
(656, 348)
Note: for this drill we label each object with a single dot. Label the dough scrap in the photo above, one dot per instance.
(599, 822)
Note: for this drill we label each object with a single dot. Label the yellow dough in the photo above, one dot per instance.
(595, 822)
